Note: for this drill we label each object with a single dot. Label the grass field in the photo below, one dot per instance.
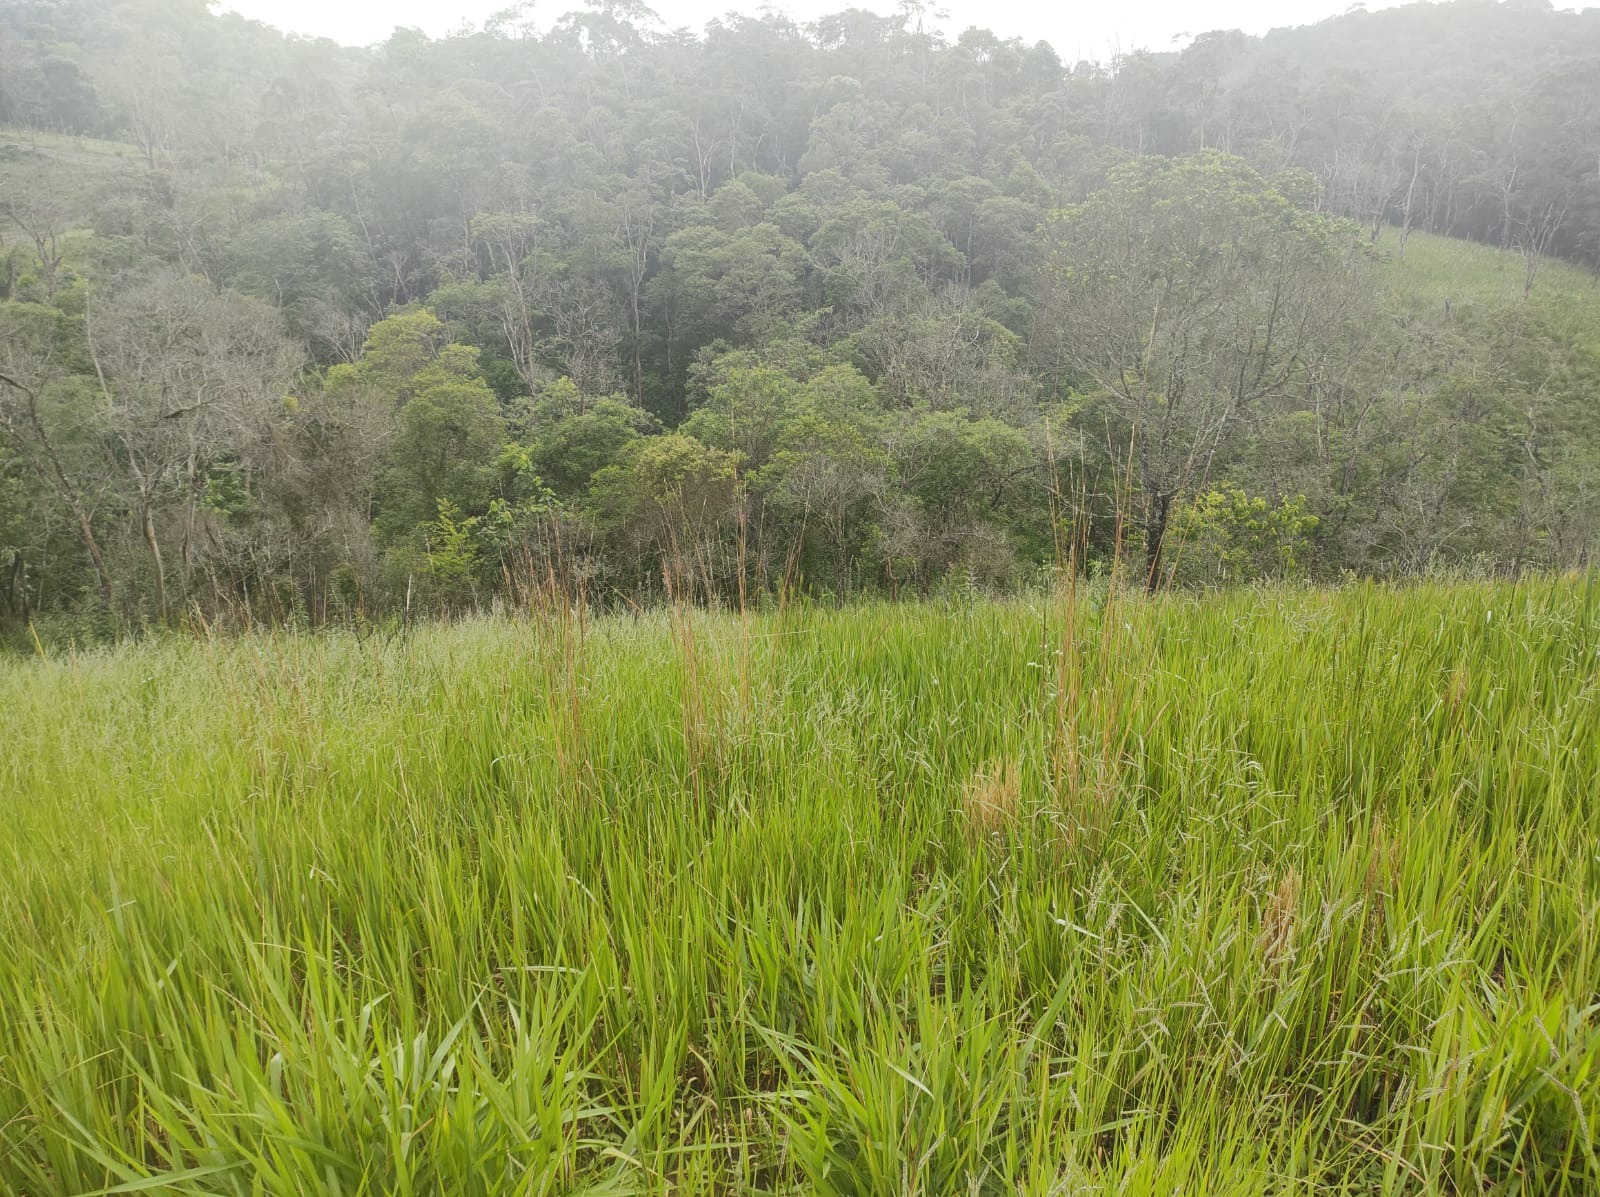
(1471, 277)
(1279, 892)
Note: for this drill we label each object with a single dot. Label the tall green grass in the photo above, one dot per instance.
(1258, 893)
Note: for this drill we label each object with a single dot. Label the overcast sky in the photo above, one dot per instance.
(1088, 29)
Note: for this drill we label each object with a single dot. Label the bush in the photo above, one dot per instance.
(1228, 536)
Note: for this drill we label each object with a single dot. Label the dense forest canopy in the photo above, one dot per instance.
(300, 331)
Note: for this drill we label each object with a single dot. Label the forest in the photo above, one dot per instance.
(293, 332)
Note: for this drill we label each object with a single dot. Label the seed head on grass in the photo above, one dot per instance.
(1276, 940)
(1382, 854)
(1458, 688)
(991, 798)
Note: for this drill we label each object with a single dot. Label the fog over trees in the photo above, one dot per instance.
(295, 331)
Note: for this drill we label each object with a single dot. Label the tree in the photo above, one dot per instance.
(666, 499)
(35, 362)
(831, 471)
(958, 475)
(740, 286)
(182, 371)
(942, 350)
(448, 426)
(38, 204)
(306, 264)
(1191, 292)
(746, 413)
(571, 440)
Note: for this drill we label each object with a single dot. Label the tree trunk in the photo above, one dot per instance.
(638, 360)
(86, 534)
(1155, 534)
(149, 525)
(16, 583)
(1411, 194)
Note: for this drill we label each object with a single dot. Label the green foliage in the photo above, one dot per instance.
(226, 492)
(1195, 298)
(665, 486)
(570, 445)
(306, 263)
(397, 352)
(955, 465)
(449, 428)
(453, 554)
(458, 549)
(744, 283)
(747, 413)
(513, 254)
(1231, 537)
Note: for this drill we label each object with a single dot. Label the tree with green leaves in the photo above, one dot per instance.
(448, 425)
(1191, 293)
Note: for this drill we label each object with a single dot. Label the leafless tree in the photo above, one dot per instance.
(1535, 233)
(38, 204)
(183, 372)
(511, 239)
(636, 232)
(942, 350)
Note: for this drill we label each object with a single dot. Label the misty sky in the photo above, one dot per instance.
(1090, 29)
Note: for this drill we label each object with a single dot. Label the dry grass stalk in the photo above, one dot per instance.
(1276, 940)
(1378, 883)
(1458, 688)
(991, 799)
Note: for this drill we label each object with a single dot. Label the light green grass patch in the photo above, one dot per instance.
(1472, 277)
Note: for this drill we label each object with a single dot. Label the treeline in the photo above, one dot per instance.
(843, 307)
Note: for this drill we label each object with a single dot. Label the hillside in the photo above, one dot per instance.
(313, 335)
(793, 609)
(1476, 279)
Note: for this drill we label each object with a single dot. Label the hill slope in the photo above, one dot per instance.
(1475, 278)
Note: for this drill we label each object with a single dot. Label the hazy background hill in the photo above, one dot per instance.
(812, 287)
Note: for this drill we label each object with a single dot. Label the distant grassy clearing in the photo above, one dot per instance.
(1247, 894)
(1470, 276)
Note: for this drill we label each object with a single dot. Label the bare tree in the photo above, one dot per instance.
(942, 350)
(1415, 142)
(636, 232)
(584, 334)
(512, 240)
(183, 371)
(1535, 233)
(38, 203)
